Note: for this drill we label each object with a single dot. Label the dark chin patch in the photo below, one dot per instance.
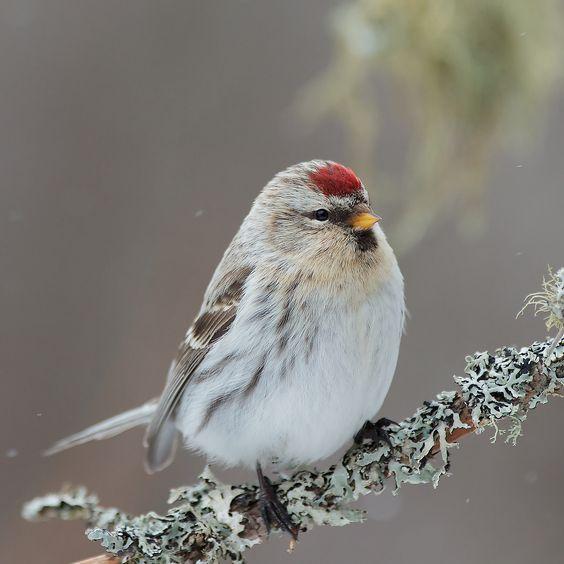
(365, 240)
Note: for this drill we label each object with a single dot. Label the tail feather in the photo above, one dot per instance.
(109, 428)
(161, 448)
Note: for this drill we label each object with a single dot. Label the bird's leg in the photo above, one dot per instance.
(272, 509)
(375, 432)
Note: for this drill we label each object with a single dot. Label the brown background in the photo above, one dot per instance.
(134, 136)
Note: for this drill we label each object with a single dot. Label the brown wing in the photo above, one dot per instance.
(212, 323)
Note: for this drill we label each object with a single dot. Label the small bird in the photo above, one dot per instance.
(296, 343)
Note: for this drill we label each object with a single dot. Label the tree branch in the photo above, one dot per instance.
(211, 520)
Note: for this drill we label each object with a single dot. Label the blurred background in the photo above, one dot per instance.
(135, 135)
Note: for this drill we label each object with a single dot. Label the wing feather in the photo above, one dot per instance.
(212, 323)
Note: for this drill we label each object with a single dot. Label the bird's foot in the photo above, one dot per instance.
(375, 432)
(272, 509)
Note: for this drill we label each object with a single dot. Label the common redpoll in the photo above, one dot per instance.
(296, 343)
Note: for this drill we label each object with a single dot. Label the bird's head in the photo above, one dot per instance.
(317, 215)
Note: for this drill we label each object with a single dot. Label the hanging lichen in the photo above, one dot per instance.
(468, 73)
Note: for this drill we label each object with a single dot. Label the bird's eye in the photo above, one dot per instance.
(321, 215)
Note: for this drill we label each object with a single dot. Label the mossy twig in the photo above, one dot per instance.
(210, 521)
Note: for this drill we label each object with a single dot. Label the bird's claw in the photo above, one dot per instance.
(375, 432)
(272, 509)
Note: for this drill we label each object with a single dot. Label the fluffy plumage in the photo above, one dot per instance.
(296, 342)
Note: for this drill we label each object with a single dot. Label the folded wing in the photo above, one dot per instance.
(214, 321)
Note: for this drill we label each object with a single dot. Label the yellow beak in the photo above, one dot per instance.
(363, 221)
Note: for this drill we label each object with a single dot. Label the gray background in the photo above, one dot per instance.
(134, 136)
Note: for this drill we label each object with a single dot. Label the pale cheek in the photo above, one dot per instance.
(289, 238)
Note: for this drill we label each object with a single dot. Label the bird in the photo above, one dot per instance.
(295, 345)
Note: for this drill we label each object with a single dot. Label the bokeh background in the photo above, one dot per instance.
(134, 137)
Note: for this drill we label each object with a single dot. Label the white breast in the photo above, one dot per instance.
(295, 395)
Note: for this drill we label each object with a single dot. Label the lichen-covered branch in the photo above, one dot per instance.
(211, 520)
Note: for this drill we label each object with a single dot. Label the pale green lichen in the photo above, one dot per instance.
(550, 301)
(470, 74)
(211, 521)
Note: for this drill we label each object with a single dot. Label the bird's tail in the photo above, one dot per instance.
(109, 428)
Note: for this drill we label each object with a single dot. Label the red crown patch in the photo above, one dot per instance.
(336, 180)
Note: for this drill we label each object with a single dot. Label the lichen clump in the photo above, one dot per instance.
(549, 301)
(467, 74)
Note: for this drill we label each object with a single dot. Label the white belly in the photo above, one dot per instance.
(297, 398)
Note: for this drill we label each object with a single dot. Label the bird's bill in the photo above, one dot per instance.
(363, 221)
